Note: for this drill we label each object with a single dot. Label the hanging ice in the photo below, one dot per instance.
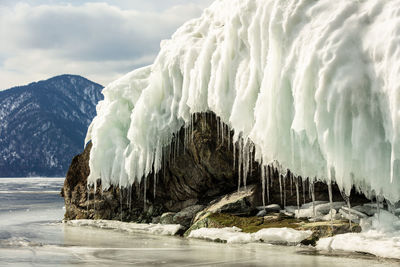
(313, 84)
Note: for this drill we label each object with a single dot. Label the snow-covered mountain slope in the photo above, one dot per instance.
(43, 125)
(313, 84)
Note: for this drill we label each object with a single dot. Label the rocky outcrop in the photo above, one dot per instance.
(198, 168)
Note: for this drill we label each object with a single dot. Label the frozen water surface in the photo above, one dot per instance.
(32, 234)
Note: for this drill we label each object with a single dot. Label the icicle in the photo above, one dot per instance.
(268, 179)
(349, 206)
(347, 200)
(297, 195)
(378, 206)
(94, 198)
(217, 122)
(229, 138)
(251, 159)
(330, 202)
(313, 198)
(284, 190)
(240, 163)
(280, 188)
(120, 202)
(234, 155)
(245, 163)
(130, 197)
(291, 185)
(155, 184)
(221, 131)
(145, 193)
(88, 198)
(263, 185)
(177, 144)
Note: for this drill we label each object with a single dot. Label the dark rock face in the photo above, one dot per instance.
(198, 170)
(43, 125)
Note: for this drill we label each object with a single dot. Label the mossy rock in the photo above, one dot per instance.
(275, 220)
(247, 224)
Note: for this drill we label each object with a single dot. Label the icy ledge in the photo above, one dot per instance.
(380, 237)
(235, 235)
(156, 229)
(313, 84)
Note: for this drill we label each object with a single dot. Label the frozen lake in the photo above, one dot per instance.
(32, 234)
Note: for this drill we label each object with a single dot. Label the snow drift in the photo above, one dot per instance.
(313, 84)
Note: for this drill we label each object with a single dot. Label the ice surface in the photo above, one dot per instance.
(313, 84)
(380, 236)
(227, 234)
(281, 235)
(235, 235)
(158, 229)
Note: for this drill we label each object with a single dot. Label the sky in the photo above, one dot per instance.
(100, 40)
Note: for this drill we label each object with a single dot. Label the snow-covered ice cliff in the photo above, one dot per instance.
(313, 84)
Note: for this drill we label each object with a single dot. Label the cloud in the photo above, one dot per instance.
(96, 40)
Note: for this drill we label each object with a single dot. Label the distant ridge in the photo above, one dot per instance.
(43, 124)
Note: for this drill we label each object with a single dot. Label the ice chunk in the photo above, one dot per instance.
(158, 229)
(281, 235)
(271, 207)
(227, 234)
(380, 236)
(235, 235)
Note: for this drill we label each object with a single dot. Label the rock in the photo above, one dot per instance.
(156, 220)
(396, 212)
(185, 216)
(355, 212)
(327, 229)
(221, 220)
(261, 213)
(332, 215)
(198, 171)
(167, 218)
(368, 210)
(236, 203)
(351, 214)
(177, 206)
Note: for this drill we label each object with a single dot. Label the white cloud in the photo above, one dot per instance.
(96, 40)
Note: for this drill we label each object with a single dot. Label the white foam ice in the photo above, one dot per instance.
(235, 235)
(314, 84)
(157, 229)
(380, 236)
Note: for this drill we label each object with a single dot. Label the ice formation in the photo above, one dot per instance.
(380, 237)
(156, 229)
(313, 84)
(235, 235)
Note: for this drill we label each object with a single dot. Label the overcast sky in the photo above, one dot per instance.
(100, 40)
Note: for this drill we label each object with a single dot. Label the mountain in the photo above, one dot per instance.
(43, 125)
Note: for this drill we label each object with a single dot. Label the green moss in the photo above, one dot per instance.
(252, 224)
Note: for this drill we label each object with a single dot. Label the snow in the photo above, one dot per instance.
(235, 235)
(380, 236)
(157, 229)
(281, 235)
(313, 84)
